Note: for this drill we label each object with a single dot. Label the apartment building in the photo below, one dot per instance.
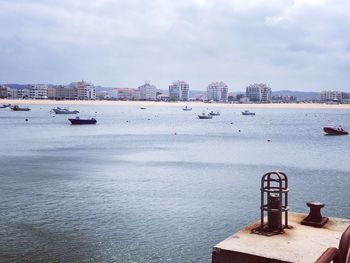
(179, 90)
(217, 91)
(148, 92)
(258, 92)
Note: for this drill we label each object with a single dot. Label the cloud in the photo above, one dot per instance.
(123, 43)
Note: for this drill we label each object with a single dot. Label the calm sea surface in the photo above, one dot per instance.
(131, 190)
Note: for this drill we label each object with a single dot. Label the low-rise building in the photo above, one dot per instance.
(125, 94)
(66, 93)
(20, 93)
(51, 93)
(283, 99)
(38, 92)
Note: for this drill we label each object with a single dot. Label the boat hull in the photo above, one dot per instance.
(65, 112)
(82, 121)
(205, 117)
(5, 106)
(334, 131)
(20, 109)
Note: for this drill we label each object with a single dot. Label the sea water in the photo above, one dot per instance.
(159, 184)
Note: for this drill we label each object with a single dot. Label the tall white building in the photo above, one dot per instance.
(179, 90)
(148, 92)
(85, 91)
(259, 92)
(217, 91)
(331, 95)
(38, 92)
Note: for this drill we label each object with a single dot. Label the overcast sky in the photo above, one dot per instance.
(289, 44)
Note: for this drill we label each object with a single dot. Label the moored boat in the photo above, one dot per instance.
(17, 108)
(212, 113)
(335, 131)
(3, 106)
(186, 109)
(77, 121)
(59, 110)
(247, 112)
(205, 116)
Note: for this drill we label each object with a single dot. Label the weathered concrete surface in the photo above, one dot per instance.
(299, 244)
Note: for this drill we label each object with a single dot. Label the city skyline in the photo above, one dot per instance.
(291, 45)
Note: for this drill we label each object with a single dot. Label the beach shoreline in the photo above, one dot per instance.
(177, 104)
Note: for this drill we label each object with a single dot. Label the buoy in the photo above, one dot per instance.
(175, 133)
(239, 130)
(268, 140)
(231, 122)
(26, 119)
(149, 119)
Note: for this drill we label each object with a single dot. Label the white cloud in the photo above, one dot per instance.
(122, 43)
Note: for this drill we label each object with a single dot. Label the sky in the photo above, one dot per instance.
(288, 44)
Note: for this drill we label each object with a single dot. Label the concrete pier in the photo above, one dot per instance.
(300, 243)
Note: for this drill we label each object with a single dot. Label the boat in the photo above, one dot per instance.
(3, 106)
(247, 112)
(77, 121)
(214, 113)
(17, 108)
(186, 109)
(59, 110)
(143, 108)
(335, 131)
(205, 116)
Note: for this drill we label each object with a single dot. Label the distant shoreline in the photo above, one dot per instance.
(177, 104)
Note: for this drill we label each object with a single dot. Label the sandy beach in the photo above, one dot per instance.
(178, 104)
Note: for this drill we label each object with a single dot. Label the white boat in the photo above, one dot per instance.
(59, 110)
(3, 106)
(214, 113)
(205, 116)
(186, 109)
(247, 112)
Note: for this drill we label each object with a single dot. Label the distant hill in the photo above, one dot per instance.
(299, 94)
(18, 86)
(102, 89)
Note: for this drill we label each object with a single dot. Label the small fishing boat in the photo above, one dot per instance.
(214, 113)
(143, 108)
(59, 110)
(205, 116)
(17, 108)
(77, 121)
(186, 109)
(335, 131)
(3, 106)
(247, 112)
